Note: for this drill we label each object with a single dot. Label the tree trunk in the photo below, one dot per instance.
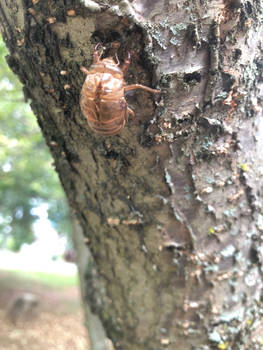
(171, 207)
(86, 267)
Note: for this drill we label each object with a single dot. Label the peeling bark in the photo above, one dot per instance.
(171, 208)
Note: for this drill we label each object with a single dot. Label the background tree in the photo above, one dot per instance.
(171, 207)
(27, 177)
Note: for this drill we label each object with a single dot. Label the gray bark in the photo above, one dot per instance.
(171, 208)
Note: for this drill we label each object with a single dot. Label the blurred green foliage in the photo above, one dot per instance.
(27, 178)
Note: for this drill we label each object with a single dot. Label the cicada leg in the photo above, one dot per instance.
(117, 59)
(126, 64)
(139, 86)
(84, 70)
(96, 57)
(98, 50)
(130, 111)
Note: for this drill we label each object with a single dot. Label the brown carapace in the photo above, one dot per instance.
(102, 96)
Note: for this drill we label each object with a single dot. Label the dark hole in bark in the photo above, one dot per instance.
(105, 38)
(97, 37)
(113, 36)
(228, 81)
(253, 254)
(235, 4)
(237, 54)
(112, 154)
(192, 78)
(146, 141)
(248, 7)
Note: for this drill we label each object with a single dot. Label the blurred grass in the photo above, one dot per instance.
(26, 278)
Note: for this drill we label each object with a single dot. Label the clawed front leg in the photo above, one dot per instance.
(96, 57)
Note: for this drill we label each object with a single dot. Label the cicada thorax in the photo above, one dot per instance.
(102, 98)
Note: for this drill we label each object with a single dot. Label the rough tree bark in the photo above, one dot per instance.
(172, 207)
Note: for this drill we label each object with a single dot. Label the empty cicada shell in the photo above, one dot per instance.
(102, 96)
